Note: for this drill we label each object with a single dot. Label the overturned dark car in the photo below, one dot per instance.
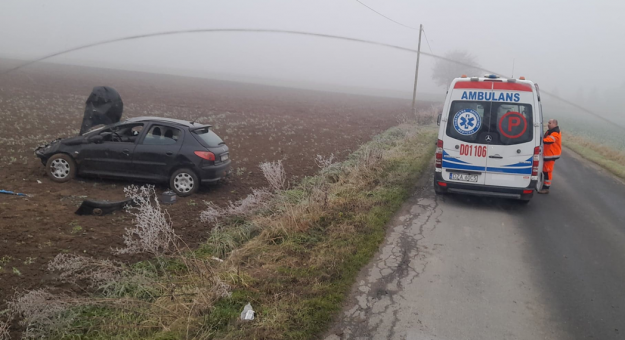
(151, 149)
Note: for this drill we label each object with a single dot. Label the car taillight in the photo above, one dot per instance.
(536, 161)
(207, 155)
(439, 154)
(528, 191)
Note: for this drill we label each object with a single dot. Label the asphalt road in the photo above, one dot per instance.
(478, 268)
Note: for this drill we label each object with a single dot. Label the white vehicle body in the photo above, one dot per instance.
(490, 138)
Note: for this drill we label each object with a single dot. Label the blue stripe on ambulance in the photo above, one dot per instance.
(516, 171)
(452, 159)
(526, 163)
(456, 166)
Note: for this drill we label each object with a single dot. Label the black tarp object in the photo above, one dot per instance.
(99, 208)
(104, 106)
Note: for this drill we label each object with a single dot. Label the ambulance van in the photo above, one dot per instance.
(490, 138)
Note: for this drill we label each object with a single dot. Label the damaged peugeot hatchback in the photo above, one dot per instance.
(151, 149)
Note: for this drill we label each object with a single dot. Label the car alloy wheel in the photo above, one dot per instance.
(183, 182)
(59, 168)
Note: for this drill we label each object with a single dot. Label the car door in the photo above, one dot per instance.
(155, 154)
(113, 155)
(511, 150)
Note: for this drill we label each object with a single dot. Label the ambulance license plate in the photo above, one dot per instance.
(463, 177)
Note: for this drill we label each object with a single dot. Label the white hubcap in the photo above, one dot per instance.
(59, 168)
(183, 182)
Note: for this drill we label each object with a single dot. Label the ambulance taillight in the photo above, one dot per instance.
(535, 162)
(439, 156)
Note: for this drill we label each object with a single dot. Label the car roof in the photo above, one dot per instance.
(167, 120)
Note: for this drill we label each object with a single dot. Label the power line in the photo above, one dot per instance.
(397, 22)
(426, 40)
(247, 30)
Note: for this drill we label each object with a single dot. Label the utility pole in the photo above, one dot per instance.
(416, 75)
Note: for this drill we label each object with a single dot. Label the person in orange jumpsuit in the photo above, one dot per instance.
(552, 151)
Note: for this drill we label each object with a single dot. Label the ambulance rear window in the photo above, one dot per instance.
(493, 123)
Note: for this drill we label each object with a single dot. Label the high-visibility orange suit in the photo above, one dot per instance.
(552, 151)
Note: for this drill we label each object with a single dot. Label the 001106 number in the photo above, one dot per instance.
(472, 150)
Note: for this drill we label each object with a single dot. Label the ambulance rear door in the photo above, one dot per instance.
(511, 138)
(464, 155)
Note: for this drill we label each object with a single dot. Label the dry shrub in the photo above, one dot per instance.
(258, 199)
(5, 325)
(73, 268)
(111, 278)
(429, 115)
(153, 232)
(324, 162)
(43, 313)
(405, 118)
(212, 213)
(275, 174)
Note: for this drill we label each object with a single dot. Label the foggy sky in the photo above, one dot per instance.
(566, 46)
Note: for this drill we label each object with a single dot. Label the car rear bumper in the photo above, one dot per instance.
(482, 190)
(213, 173)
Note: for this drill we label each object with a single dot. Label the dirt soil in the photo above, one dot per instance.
(259, 123)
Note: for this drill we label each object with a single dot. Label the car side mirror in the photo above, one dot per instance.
(438, 119)
(96, 139)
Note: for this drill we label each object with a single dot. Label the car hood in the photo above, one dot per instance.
(104, 106)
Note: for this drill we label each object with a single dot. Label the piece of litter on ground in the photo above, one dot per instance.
(248, 313)
(217, 259)
(38, 181)
(8, 192)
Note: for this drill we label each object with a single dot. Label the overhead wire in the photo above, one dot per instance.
(397, 22)
(247, 30)
(426, 40)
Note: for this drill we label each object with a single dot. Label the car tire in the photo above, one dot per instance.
(184, 182)
(61, 168)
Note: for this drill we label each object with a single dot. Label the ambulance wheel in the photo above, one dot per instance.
(438, 190)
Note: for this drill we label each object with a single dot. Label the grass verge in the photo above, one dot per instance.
(294, 260)
(609, 158)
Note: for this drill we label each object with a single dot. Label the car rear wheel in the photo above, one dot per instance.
(61, 168)
(184, 182)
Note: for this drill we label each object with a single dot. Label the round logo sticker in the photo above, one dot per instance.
(512, 125)
(467, 122)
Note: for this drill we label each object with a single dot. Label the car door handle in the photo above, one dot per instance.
(169, 153)
(495, 156)
(126, 152)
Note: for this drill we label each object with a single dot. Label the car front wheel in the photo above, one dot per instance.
(184, 182)
(61, 168)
